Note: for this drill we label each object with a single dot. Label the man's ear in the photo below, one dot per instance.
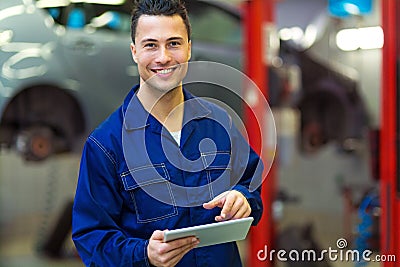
(133, 51)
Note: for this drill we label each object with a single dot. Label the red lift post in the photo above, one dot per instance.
(258, 14)
(390, 139)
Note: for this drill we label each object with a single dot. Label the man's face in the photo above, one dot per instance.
(161, 51)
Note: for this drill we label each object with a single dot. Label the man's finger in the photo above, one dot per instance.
(227, 209)
(181, 242)
(182, 252)
(239, 206)
(157, 235)
(180, 245)
(242, 213)
(212, 204)
(218, 201)
(167, 252)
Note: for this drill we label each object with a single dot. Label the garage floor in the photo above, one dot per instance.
(32, 197)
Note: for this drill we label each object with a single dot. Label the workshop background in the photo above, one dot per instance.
(65, 65)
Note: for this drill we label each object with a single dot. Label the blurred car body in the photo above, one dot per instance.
(66, 65)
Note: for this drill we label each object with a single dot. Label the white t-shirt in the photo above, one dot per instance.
(177, 136)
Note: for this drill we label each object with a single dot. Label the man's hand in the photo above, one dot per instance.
(233, 203)
(168, 254)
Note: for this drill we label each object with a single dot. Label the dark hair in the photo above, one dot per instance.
(158, 8)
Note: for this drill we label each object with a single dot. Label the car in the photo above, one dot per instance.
(66, 65)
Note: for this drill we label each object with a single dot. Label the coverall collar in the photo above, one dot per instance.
(136, 117)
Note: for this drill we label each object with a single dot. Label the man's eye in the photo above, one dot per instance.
(174, 43)
(150, 45)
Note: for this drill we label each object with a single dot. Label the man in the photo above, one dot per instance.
(163, 160)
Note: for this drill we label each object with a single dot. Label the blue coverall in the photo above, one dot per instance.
(134, 179)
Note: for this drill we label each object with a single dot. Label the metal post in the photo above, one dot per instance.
(258, 13)
(390, 143)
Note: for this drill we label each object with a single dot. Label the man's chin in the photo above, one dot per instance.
(163, 86)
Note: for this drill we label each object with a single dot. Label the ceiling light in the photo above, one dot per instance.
(361, 38)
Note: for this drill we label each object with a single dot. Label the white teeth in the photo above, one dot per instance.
(166, 71)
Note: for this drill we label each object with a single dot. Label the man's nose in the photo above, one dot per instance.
(164, 56)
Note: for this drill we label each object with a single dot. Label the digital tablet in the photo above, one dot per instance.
(213, 233)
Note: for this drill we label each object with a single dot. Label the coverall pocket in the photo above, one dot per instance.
(150, 192)
(217, 167)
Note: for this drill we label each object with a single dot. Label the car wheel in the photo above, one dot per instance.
(35, 143)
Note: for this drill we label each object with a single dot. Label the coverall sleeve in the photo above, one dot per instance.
(95, 231)
(247, 168)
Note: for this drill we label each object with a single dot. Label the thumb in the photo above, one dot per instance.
(158, 235)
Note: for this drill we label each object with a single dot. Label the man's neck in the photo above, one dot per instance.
(167, 108)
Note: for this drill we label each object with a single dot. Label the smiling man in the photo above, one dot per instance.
(164, 160)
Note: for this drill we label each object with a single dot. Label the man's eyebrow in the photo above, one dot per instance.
(146, 40)
(174, 38)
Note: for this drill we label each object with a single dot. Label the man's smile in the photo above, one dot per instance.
(163, 71)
